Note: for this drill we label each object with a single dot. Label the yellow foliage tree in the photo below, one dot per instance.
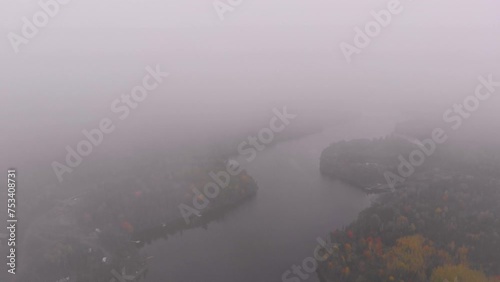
(409, 257)
(459, 273)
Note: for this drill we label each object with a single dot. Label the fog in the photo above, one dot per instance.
(225, 78)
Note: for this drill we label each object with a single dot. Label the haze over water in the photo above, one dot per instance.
(225, 79)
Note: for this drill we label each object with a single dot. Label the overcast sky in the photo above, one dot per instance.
(226, 73)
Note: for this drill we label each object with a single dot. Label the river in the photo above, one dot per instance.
(264, 237)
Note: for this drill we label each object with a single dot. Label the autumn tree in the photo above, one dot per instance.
(409, 258)
(459, 273)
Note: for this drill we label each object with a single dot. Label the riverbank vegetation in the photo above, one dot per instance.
(427, 230)
(97, 236)
(441, 224)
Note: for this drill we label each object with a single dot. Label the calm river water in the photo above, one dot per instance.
(265, 236)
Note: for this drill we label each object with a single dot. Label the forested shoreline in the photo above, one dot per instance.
(441, 224)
